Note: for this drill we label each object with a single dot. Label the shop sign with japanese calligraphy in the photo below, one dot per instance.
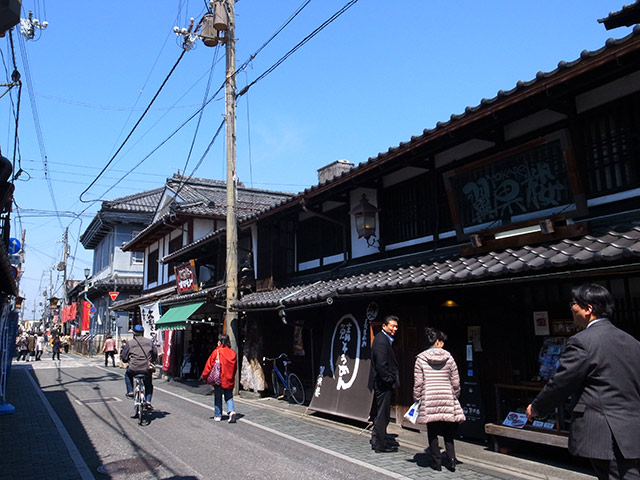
(186, 278)
(341, 385)
(528, 183)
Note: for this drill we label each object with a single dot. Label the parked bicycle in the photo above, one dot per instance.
(287, 385)
(140, 405)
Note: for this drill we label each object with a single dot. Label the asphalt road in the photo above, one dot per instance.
(181, 440)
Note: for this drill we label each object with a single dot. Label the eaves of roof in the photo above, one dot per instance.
(145, 298)
(137, 208)
(204, 198)
(157, 229)
(194, 245)
(619, 250)
(543, 81)
(625, 17)
(190, 297)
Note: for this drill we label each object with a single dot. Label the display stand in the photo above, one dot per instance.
(558, 437)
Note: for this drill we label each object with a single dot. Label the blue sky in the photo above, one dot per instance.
(379, 74)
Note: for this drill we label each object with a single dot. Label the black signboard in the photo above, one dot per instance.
(534, 180)
(471, 400)
(341, 384)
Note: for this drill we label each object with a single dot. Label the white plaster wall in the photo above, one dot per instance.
(202, 227)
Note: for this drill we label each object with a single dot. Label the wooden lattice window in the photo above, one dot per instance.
(612, 147)
(152, 267)
(405, 211)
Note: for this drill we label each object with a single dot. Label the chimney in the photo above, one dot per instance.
(333, 170)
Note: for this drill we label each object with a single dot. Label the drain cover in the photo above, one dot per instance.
(129, 465)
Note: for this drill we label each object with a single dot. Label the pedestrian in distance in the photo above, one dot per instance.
(39, 347)
(437, 385)
(599, 370)
(23, 348)
(56, 346)
(383, 379)
(32, 346)
(109, 350)
(65, 343)
(223, 360)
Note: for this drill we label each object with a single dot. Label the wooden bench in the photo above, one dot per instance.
(552, 439)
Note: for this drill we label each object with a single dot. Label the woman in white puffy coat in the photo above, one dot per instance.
(437, 386)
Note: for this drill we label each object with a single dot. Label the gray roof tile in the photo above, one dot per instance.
(609, 248)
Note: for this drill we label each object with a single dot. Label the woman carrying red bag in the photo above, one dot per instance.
(220, 372)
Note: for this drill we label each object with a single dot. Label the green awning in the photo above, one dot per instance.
(176, 318)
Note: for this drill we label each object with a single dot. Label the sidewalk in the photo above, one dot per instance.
(32, 443)
(32, 447)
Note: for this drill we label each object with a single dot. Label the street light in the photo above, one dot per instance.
(365, 217)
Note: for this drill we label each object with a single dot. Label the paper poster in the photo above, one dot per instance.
(473, 336)
(514, 419)
(541, 323)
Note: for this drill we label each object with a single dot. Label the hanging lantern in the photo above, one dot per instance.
(221, 17)
(209, 33)
(365, 216)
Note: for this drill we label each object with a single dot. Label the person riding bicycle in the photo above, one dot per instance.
(139, 353)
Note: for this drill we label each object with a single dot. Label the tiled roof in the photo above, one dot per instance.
(119, 282)
(568, 255)
(627, 16)
(487, 106)
(138, 202)
(137, 209)
(187, 297)
(147, 297)
(204, 197)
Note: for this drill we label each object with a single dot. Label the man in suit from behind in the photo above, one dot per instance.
(599, 368)
(383, 379)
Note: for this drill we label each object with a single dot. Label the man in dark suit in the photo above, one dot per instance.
(383, 379)
(600, 369)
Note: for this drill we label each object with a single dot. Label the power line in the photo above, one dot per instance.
(330, 20)
(197, 129)
(205, 104)
(36, 120)
(133, 129)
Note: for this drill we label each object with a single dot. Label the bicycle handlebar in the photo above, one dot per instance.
(282, 355)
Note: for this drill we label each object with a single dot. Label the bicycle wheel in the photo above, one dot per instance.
(278, 387)
(141, 402)
(296, 389)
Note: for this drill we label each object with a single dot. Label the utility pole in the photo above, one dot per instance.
(231, 317)
(218, 26)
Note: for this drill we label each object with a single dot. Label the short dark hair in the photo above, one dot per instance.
(223, 338)
(390, 318)
(433, 335)
(595, 295)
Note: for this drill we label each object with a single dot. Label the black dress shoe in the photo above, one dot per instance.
(437, 468)
(385, 449)
(450, 464)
